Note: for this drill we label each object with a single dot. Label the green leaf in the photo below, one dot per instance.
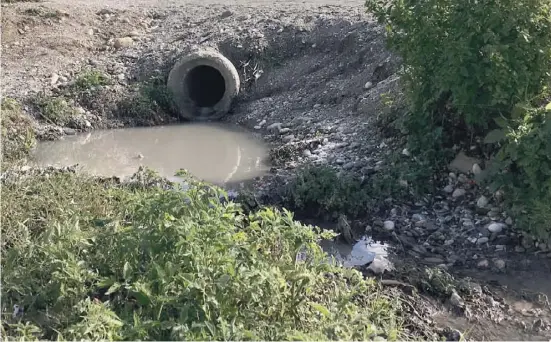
(501, 122)
(548, 107)
(494, 136)
(127, 271)
(322, 309)
(113, 288)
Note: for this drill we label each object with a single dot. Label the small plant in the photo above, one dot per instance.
(18, 137)
(320, 189)
(55, 110)
(91, 79)
(95, 260)
(150, 103)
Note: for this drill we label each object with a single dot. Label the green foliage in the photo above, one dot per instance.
(55, 109)
(522, 166)
(91, 79)
(157, 263)
(149, 104)
(18, 136)
(318, 190)
(477, 57)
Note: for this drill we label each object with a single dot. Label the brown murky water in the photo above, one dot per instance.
(213, 152)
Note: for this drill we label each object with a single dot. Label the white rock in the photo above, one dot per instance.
(388, 225)
(482, 202)
(483, 264)
(482, 240)
(276, 126)
(368, 85)
(456, 300)
(458, 193)
(90, 32)
(405, 152)
(495, 227)
(53, 79)
(499, 264)
(125, 42)
(476, 169)
(448, 189)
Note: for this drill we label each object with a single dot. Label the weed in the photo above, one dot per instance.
(55, 109)
(320, 189)
(18, 136)
(91, 79)
(150, 103)
(93, 260)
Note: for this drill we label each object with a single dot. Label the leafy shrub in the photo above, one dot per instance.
(55, 109)
(523, 166)
(150, 103)
(318, 190)
(162, 264)
(18, 136)
(91, 79)
(467, 61)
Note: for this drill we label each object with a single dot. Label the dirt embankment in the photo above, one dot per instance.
(316, 79)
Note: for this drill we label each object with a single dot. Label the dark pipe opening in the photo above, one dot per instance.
(206, 85)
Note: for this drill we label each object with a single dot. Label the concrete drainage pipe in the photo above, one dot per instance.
(203, 84)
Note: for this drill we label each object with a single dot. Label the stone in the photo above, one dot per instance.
(275, 127)
(456, 300)
(459, 193)
(53, 79)
(368, 85)
(405, 152)
(379, 265)
(499, 264)
(90, 32)
(483, 264)
(520, 249)
(348, 166)
(284, 130)
(389, 225)
(477, 169)
(495, 227)
(482, 240)
(482, 202)
(448, 189)
(69, 131)
(509, 221)
(463, 163)
(288, 138)
(417, 217)
(124, 42)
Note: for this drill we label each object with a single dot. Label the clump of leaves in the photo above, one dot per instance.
(55, 109)
(169, 264)
(150, 103)
(317, 190)
(91, 79)
(18, 136)
(522, 167)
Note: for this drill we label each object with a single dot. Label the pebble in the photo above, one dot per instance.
(456, 300)
(276, 126)
(307, 153)
(495, 227)
(226, 14)
(476, 169)
(348, 165)
(284, 130)
(499, 264)
(448, 189)
(90, 32)
(124, 42)
(509, 221)
(482, 240)
(417, 217)
(288, 138)
(482, 202)
(459, 193)
(389, 225)
(368, 85)
(520, 249)
(53, 79)
(483, 264)
(405, 152)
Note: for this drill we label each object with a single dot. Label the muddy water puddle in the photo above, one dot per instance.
(213, 152)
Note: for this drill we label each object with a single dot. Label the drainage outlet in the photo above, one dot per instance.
(203, 84)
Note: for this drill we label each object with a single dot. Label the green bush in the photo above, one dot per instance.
(18, 136)
(97, 260)
(150, 103)
(55, 109)
(467, 61)
(522, 167)
(318, 190)
(91, 79)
